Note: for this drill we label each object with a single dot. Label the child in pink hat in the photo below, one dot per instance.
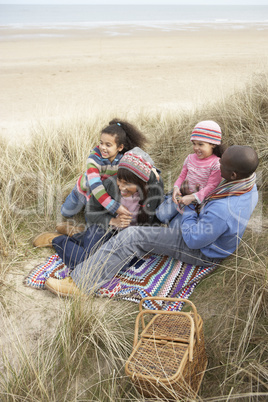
(200, 173)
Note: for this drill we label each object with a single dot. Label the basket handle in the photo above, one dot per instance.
(175, 299)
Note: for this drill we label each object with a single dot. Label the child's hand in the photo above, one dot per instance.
(187, 199)
(121, 221)
(176, 195)
(123, 210)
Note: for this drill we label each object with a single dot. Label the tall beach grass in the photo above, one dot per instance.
(82, 357)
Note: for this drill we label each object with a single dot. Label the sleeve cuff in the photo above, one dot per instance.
(197, 199)
(114, 207)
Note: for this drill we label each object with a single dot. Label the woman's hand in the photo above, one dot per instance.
(123, 210)
(176, 194)
(121, 221)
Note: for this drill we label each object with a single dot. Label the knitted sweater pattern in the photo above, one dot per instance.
(90, 183)
(96, 214)
(202, 172)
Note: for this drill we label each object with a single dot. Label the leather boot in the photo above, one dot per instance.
(68, 229)
(62, 287)
(45, 239)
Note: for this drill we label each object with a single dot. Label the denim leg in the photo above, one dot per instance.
(74, 250)
(167, 210)
(134, 241)
(73, 204)
(95, 237)
(70, 249)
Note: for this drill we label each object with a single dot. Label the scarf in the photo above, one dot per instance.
(133, 205)
(229, 188)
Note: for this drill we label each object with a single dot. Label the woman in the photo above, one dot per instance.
(136, 187)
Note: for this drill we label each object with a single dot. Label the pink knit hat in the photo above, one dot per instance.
(207, 131)
(138, 162)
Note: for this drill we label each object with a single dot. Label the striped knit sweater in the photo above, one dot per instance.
(203, 172)
(90, 183)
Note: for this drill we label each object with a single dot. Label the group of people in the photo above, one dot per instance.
(127, 214)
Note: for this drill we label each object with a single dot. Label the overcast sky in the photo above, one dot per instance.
(77, 2)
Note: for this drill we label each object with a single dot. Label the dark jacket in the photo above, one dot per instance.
(96, 213)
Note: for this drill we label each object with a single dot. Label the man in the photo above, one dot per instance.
(204, 238)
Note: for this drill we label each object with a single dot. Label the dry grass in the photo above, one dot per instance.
(233, 304)
(82, 357)
(243, 118)
(81, 360)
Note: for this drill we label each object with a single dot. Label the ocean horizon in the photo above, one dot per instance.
(131, 17)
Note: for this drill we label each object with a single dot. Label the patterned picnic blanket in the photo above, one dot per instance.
(151, 276)
(53, 266)
(156, 276)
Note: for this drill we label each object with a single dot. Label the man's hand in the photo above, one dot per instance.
(187, 199)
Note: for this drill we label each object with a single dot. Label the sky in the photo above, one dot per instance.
(178, 2)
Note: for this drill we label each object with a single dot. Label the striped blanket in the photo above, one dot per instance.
(53, 266)
(151, 276)
(155, 276)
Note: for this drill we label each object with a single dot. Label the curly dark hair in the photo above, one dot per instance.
(125, 133)
(219, 149)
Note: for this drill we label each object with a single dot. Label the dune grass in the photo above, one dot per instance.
(82, 358)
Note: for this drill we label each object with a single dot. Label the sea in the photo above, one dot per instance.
(43, 19)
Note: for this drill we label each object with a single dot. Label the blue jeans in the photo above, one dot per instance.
(74, 250)
(73, 204)
(131, 242)
(168, 213)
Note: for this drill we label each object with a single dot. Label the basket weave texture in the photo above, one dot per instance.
(168, 358)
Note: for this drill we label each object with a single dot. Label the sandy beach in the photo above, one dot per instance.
(50, 77)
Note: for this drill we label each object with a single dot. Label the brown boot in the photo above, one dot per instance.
(45, 239)
(68, 229)
(63, 287)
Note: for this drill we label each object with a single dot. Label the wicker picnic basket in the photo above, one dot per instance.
(168, 358)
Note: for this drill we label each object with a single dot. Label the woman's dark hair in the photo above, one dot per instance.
(219, 149)
(130, 177)
(126, 134)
